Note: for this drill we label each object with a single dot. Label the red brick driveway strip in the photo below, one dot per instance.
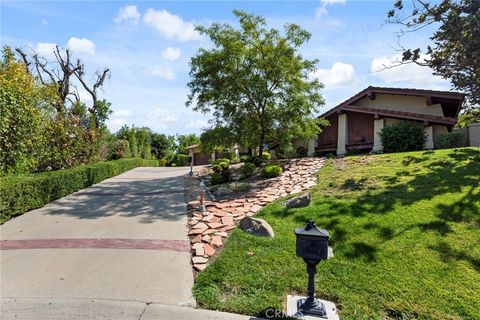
(142, 244)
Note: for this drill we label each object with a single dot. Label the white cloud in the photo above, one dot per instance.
(115, 124)
(334, 1)
(171, 53)
(45, 49)
(197, 124)
(322, 10)
(171, 26)
(123, 113)
(81, 46)
(127, 14)
(162, 115)
(162, 72)
(340, 74)
(410, 74)
(44, 22)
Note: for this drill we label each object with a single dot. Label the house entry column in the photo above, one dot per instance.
(342, 134)
(377, 128)
(429, 133)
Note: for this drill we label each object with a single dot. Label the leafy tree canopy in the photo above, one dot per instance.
(185, 140)
(454, 52)
(255, 82)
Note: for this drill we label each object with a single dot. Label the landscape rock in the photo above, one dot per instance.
(257, 227)
(299, 201)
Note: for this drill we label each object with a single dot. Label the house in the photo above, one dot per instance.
(355, 123)
(201, 158)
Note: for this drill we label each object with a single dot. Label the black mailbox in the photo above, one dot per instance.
(312, 246)
(312, 243)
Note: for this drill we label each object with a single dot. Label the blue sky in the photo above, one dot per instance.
(147, 46)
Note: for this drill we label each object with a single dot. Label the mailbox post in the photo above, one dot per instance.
(312, 246)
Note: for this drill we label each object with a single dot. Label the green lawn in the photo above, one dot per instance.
(405, 229)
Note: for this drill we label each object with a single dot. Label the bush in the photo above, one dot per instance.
(245, 158)
(257, 161)
(218, 161)
(217, 168)
(118, 149)
(265, 156)
(235, 160)
(450, 140)
(403, 136)
(224, 165)
(217, 179)
(302, 151)
(248, 169)
(180, 160)
(22, 193)
(271, 171)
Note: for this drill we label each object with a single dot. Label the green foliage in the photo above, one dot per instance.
(403, 136)
(20, 193)
(302, 151)
(255, 83)
(217, 168)
(271, 171)
(180, 160)
(468, 117)
(245, 158)
(186, 140)
(224, 165)
(218, 161)
(454, 50)
(34, 135)
(162, 146)
(139, 139)
(119, 149)
(215, 139)
(265, 156)
(217, 178)
(400, 224)
(248, 169)
(21, 138)
(450, 140)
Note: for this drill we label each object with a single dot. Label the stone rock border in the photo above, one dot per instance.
(209, 229)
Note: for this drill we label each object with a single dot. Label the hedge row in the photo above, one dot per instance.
(21, 193)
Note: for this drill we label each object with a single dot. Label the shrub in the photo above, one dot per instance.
(265, 156)
(403, 136)
(118, 149)
(302, 151)
(450, 140)
(180, 160)
(218, 161)
(248, 169)
(271, 171)
(217, 168)
(22, 193)
(217, 179)
(245, 158)
(257, 161)
(235, 160)
(224, 165)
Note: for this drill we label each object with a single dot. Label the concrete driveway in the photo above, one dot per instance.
(122, 240)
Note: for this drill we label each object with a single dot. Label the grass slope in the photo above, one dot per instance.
(405, 233)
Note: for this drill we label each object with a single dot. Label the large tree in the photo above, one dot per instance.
(255, 82)
(454, 52)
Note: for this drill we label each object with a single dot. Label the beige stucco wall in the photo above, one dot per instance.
(438, 130)
(390, 121)
(401, 103)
